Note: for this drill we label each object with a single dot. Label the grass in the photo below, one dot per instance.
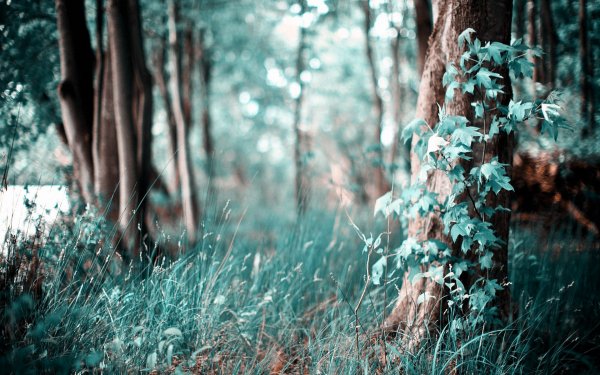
(271, 297)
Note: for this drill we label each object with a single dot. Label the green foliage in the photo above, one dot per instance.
(441, 147)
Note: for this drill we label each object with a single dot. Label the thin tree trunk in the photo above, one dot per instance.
(76, 91)
(586, 89)
(142, 113)
(161, 83)
(119, 40)
(492, 20)
(424, 27)
(532, 33)
(205, 78)
(188, 193)
(379, 172)
(187, 71)
(302, 186)
(550, 41)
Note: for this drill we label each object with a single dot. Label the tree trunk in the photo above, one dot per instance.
(424, 26)
(161, 83)
(76, 91)
(533, 41)
(492, 20)
(187, 71)
(302, 185)
(549, 42)
(106, 158)
(142, 113)
(205, 78)
(586, 88)
(121, 65)
(379, 171)
(188, 193)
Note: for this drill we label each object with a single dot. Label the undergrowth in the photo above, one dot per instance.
(252, 300)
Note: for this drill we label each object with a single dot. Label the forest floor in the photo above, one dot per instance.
(268, 296)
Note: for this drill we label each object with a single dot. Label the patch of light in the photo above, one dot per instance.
(381, 26)
(387, 62)
(396, 18)
(49, 201)
(295, 8)
(263, 145)
(295, 90)
(383, 83)
(387, 135)
(342, 33)
(275, 77)
(244, 97)
(252, 108)
(314, 63)
(307, 19)
(322, 8)
(305, 76)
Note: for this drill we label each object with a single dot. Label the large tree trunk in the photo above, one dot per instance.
(302, 185)
(122, 79)
(379, 171)
(424, 26)
(188, 190)
(492, 21)
(76, 91)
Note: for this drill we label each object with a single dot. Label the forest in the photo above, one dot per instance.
(299, 187)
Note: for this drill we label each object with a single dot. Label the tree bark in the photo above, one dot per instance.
(424, 27)
(302, 185)
(549, 42)
(205, 78)
(121, 65)
(188, 193)
(76, 91)
(492, 21)
(161, 83)
(379, 171)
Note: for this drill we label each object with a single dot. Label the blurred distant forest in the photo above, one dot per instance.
(162, 118)
(238, 99)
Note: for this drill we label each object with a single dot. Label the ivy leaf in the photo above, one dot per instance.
(436, 143)
(449, 75)
(465, 36)
(465, 135)
(413, 127)
(450, 90)
(469, 86)
(484, 78)
(478, 109)
(550, 111)
(377, 270)
(382, 203)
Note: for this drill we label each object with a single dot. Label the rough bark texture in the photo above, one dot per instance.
(188, 191)
(379, 170)
(492, 22)
(424, 27)
(76, 91)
